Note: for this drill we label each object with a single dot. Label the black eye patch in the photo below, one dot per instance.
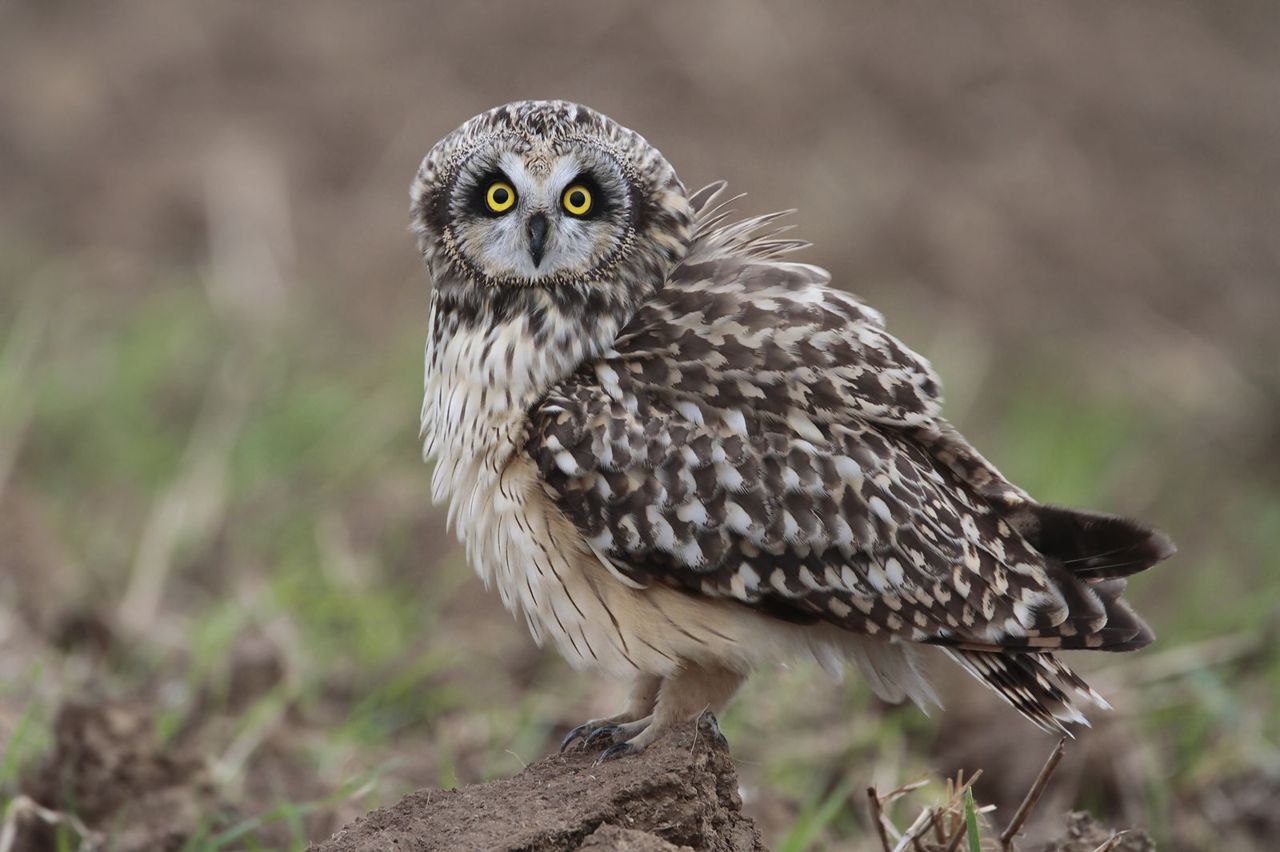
(601, 200)
(477, 200)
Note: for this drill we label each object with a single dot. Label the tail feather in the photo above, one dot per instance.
(1097, 618)
(1087, 557)
(1091, 545)
(1034, 684)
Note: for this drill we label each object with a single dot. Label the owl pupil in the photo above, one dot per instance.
(500, 196)
(577, 199)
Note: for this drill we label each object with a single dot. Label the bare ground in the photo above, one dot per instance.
(110, 783)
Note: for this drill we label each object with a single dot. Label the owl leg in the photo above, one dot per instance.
(639, 709)
(694, 690)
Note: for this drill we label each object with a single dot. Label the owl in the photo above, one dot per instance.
(680, 456)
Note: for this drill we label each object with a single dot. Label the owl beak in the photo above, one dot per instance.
(537, 237)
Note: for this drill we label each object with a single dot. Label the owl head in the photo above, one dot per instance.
(548, 200)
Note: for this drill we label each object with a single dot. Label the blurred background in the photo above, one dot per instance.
(227, 607)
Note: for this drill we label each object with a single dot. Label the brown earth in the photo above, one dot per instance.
(680, 793)
(1084, 834)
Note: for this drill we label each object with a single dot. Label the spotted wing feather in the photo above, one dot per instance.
(756, 435)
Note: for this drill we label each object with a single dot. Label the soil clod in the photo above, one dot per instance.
(682, 791)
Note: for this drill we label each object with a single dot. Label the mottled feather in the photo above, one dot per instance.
(755, 435)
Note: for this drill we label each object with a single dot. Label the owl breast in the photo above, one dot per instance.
(479, 381)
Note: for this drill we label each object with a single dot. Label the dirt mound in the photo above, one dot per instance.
(681, 792)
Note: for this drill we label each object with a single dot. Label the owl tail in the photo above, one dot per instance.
(1088, 556)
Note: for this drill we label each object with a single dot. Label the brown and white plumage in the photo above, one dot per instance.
(689, 456)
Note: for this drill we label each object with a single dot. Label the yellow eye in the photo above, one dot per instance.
(577, 200)
(500, 196)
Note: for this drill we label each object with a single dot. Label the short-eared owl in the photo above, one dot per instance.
(681, 456)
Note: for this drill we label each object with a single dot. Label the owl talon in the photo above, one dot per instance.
(616, 751)
(597, 732)
(710, 726)
(581, 731)
(601, 736)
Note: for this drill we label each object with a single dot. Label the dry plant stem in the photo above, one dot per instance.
(89, 840)
(903, 790)
(1033, 796)
(941, 822)
(1111, 842)
(959, 834)
(939, 830)
(911, 837)
(928, 821)
(877, 817)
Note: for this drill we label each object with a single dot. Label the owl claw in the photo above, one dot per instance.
(580, 731)
(708, 723)
(601, 736)
(601, 732)
(593, 733)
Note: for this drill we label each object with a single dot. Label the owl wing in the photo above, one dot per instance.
(757, 436)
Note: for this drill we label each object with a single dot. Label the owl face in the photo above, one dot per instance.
(530, 213)
(551, 198)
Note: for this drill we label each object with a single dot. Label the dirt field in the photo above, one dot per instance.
(230, 617)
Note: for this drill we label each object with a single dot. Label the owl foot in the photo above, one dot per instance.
(626, 739)
(637, 736)
(640, 703)
(709, 727)
(601, 732)
(690, 694)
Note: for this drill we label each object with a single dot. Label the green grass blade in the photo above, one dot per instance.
(971, 822)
